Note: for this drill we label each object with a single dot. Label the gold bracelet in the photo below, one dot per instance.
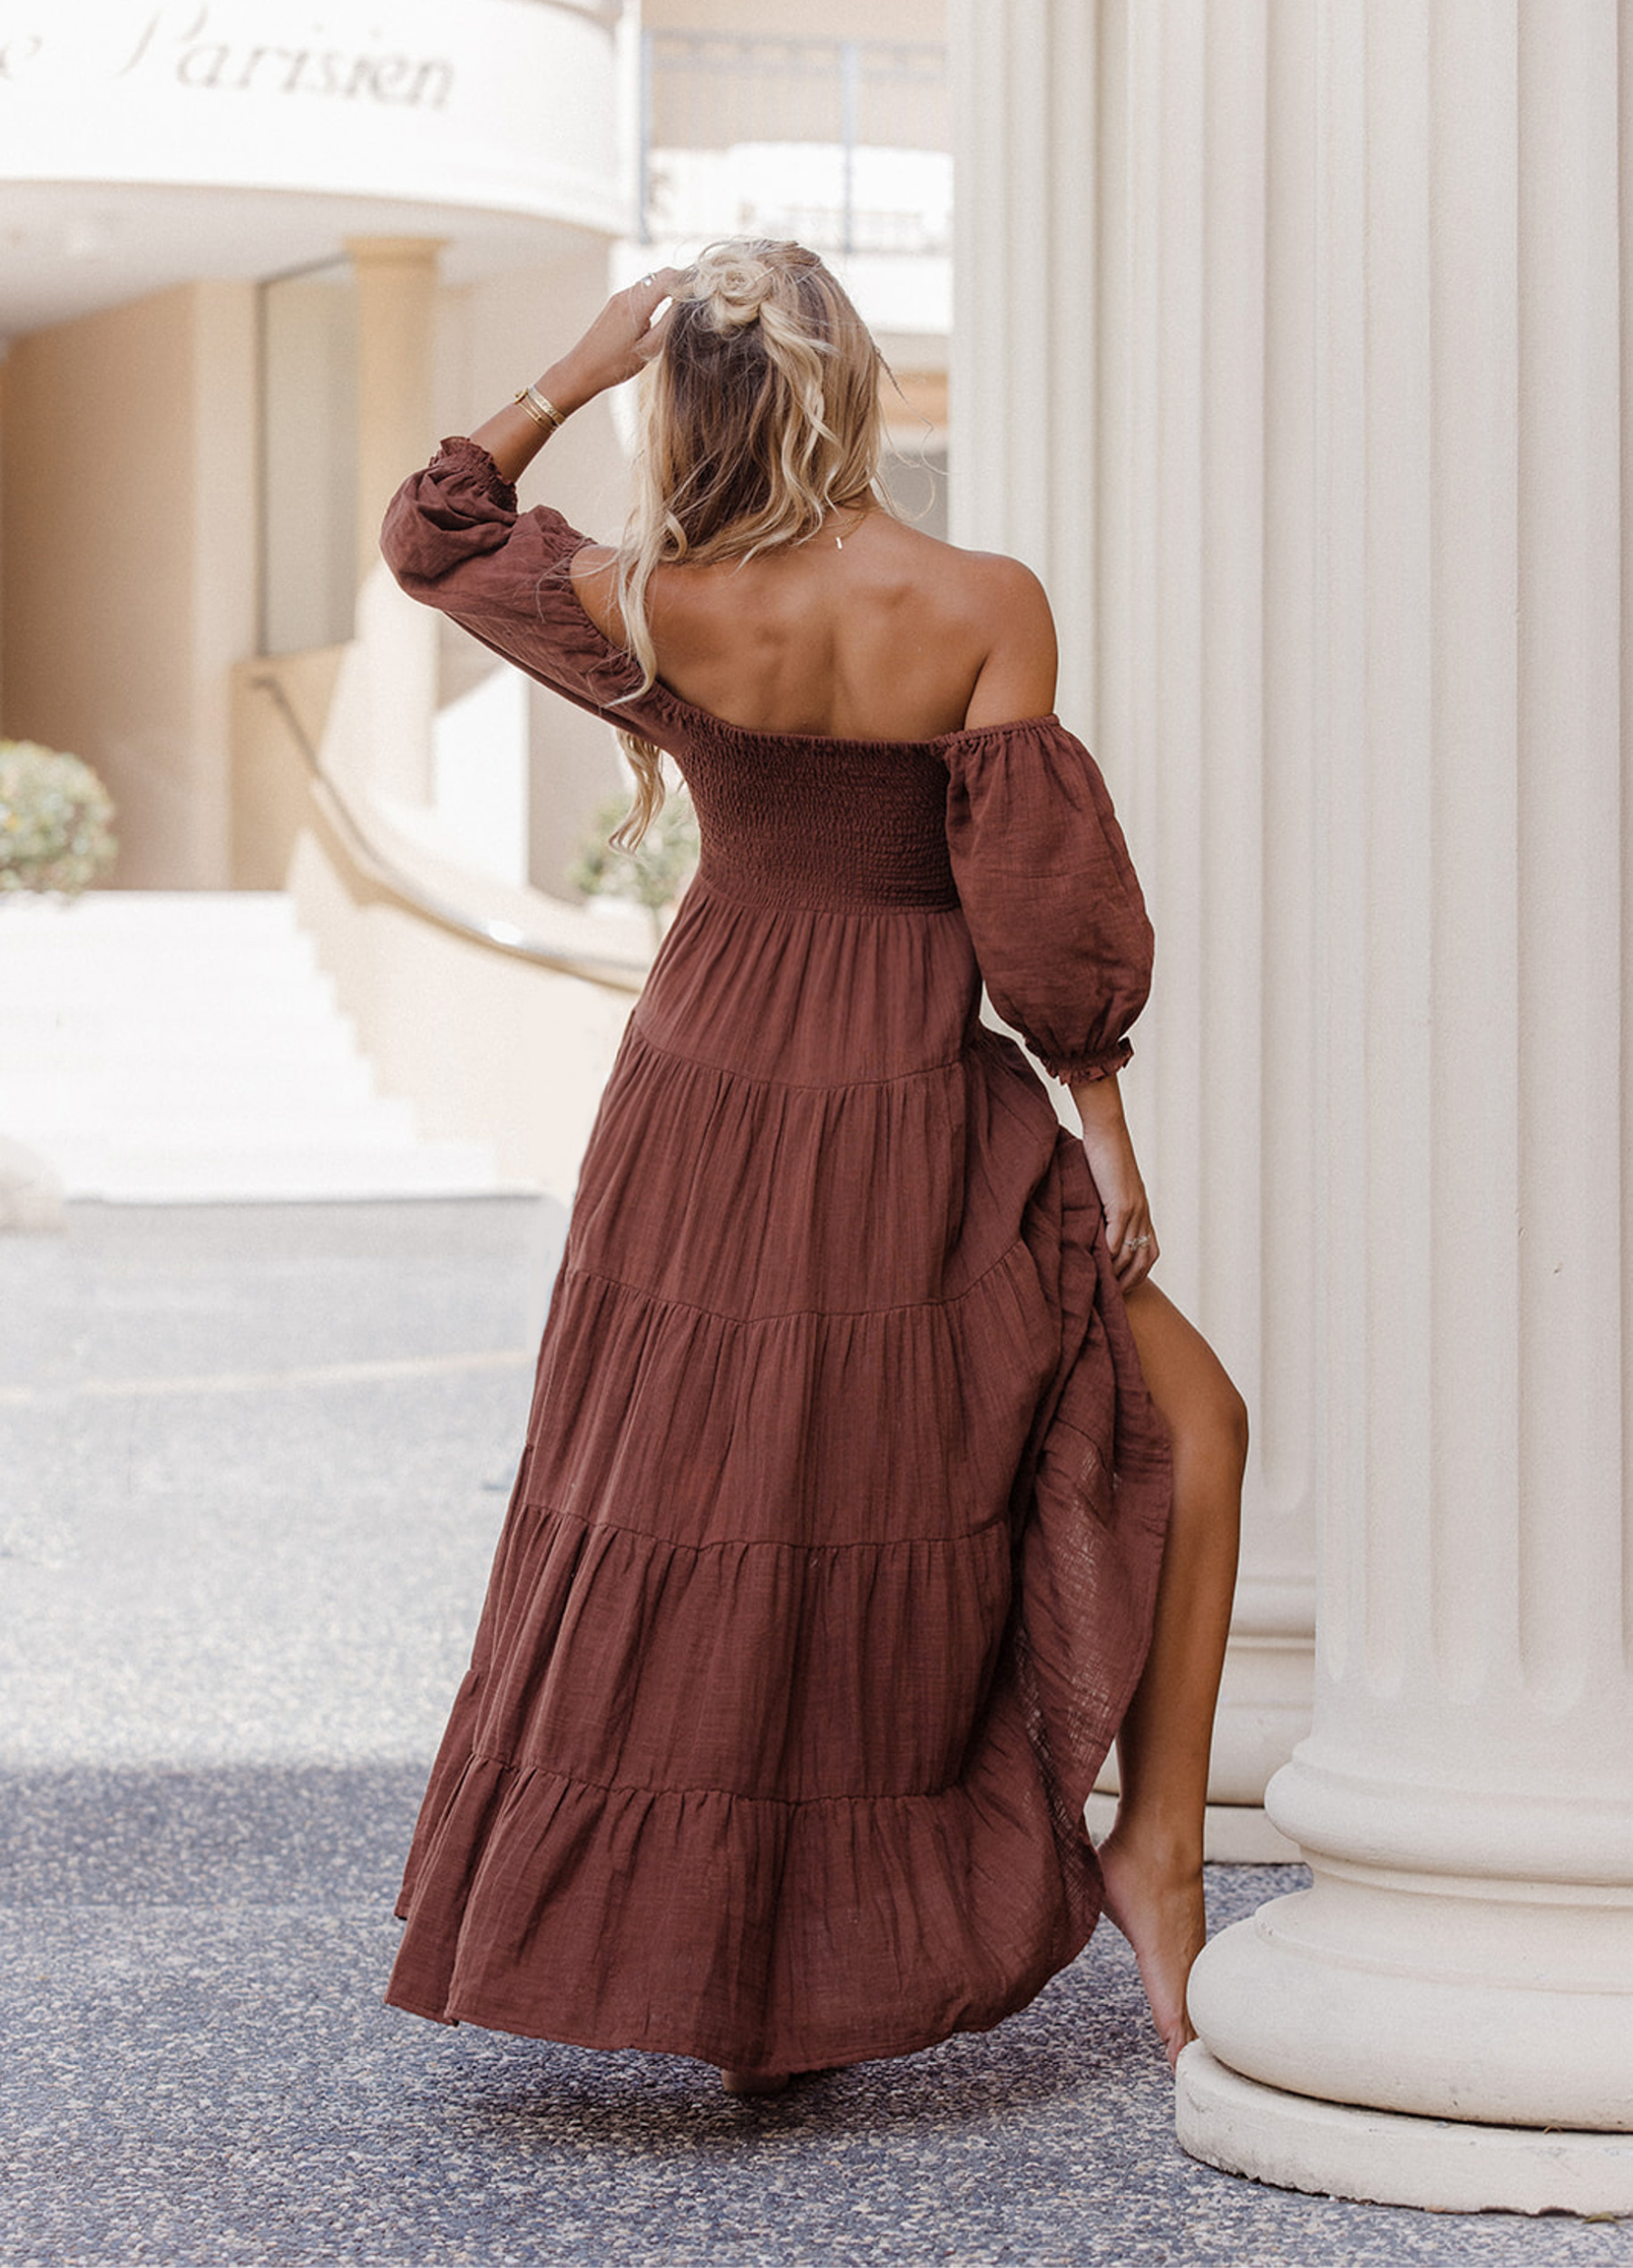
(542, 413)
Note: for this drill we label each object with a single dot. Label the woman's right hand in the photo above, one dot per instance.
(621, 341)
(618, 345)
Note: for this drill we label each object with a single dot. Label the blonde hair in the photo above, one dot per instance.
(759, 415)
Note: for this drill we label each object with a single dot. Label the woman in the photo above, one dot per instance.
(832, 1566)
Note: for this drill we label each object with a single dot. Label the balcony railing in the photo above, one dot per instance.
(839, 142)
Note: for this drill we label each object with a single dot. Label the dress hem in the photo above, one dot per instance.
(722, 2055)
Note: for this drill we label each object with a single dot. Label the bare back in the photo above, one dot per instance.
(870, 630)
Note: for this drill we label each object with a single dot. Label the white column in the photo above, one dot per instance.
(397, 312)
(1133, 414)
(1446, 2017)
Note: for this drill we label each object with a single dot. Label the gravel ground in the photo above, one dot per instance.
(252, 1461)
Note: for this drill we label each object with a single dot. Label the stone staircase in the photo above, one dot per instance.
(164, 1046)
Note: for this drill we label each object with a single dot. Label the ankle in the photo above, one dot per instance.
(1168, 1846)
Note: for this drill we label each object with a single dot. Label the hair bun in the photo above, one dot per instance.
(736, 282)
(738, 292)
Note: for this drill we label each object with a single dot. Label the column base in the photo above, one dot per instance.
(1390, 2157)
(1483, 2002)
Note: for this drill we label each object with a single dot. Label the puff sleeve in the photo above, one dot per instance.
(454, 539)
(1055, 911)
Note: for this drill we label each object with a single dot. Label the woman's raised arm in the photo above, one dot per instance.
(624, 337)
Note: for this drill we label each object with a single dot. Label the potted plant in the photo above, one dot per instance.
(655, 872)
(56, 817)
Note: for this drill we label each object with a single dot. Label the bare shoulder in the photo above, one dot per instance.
(1001, 593)
(1017, 675)
(1000, 574)
(676, 598)
(593, 568)
(1009, 587)
(992, 619)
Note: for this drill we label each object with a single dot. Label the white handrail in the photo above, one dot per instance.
(384, 870)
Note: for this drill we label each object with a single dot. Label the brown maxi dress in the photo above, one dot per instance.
(830, 1568)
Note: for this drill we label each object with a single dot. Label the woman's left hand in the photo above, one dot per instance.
(1128, 1230)
(1117, 1177)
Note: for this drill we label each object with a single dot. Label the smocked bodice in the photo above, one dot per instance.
(794, 819)
(1009, 826)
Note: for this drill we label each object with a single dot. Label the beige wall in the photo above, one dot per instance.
(492, 338)
(129, 472)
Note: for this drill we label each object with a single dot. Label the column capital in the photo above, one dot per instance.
(398, 251)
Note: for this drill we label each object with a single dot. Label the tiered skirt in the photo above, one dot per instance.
(829, 1567)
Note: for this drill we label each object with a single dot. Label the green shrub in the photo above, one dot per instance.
(652, 876)
(55, 820)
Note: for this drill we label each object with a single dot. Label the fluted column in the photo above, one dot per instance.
(397, 310)
(1465, 1955)
(1133, 414)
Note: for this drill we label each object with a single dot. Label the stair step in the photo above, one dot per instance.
(168, 1046)
(186, 1175)
(373, 1124)
(72, 1050)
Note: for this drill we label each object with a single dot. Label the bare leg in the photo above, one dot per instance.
(1153, 1858)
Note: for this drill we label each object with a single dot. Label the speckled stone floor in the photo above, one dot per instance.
(251, 1463)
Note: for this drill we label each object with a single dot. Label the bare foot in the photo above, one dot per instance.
(1159, 1908)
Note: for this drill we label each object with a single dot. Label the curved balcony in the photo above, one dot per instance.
(142, 145)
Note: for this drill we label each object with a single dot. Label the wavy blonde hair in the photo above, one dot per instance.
(760, 413)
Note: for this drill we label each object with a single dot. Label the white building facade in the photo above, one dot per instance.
(1319, 317)
(252, 265)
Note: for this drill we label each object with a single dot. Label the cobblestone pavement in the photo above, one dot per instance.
(251, 1465)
